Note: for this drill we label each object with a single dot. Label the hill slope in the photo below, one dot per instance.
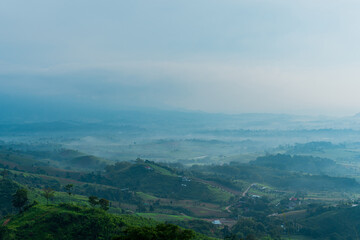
(343, 223)
(67, 221)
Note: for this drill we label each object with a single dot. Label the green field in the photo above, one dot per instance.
(165, 217)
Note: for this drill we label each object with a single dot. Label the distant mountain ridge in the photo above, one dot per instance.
(308, 164)
(26, 109)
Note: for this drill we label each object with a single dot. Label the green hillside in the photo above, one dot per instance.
(250, 200)
(7, 189)
(87, 162)
(147, 177)
(301, 163)
(330, 223)
(67, 221)
(282, 179)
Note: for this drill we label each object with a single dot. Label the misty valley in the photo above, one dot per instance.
(181, 175)
(179, 120)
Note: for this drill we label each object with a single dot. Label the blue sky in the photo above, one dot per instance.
(228, 56)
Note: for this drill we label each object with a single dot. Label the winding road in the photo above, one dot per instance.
(243, 195)
(245, 192)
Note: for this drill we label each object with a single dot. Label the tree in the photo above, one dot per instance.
(250, 237)
(151, 208)
(93, 200)
(4, 173)
(68, 189)
(226, 232)
(160, 232)
(171, 231)
(104, 204)
(48, 194)
(20, 198)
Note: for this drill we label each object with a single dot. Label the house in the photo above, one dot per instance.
(216, 222)
(185, 179)
(148, 168)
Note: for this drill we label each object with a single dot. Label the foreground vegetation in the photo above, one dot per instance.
(69, 221)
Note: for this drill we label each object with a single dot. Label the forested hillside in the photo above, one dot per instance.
(68, 221)
(269, 198)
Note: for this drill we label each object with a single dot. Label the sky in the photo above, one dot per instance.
(224, 56)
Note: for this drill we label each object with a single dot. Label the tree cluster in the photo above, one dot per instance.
(103, 203)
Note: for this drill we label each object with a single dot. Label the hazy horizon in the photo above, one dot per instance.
(297, 57)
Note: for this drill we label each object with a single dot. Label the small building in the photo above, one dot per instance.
(185, 179)
(148, 168)
(216, 222)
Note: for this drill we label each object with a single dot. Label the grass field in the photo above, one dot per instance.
(146, 197)
(298, 238)
(222, 196)
(165, 217)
